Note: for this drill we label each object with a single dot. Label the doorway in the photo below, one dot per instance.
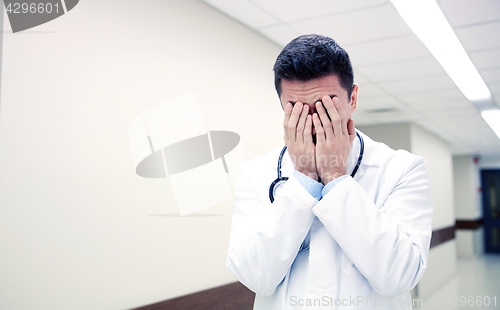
(490, 183)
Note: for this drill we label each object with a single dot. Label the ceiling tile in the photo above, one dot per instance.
(389, 119)
(377, 102)
(281, 34)
(464, 12)
(441, 99)
(494, 88)
(244, 11)
(360, 119)
(372, 24)
(389, 50)
(490, 75)
(486, 59)
(359, 77)
(402, 70)
(400, 115)
(496, 97)
(479, 37)
(423, 84)
(367, 90)
(293, 10)
(438, 129)
(460, 112)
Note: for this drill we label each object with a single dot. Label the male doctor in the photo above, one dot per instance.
(351, 227)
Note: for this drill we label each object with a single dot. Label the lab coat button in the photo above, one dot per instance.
(322, 208)
(307, 199)
(319, 291)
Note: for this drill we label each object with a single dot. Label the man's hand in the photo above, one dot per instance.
(334, 136)
(298, 138)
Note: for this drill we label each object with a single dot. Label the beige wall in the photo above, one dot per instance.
(470, 243)
(439, 167)
(396, 136)
(466, 183)
(80, 230)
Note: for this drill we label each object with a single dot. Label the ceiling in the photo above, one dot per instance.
(399, 78)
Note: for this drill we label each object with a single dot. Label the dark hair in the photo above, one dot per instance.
(313, 56)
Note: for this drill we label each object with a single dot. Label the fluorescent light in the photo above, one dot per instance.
(430, 25)
(492, 117)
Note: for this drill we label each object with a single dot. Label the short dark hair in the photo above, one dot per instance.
(313, 56)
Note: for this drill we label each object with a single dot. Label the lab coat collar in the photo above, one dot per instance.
(370, 157)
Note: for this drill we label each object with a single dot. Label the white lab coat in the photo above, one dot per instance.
(369, 236)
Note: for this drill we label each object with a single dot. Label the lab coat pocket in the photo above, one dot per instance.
(348, 267)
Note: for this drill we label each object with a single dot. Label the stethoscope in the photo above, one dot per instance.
(280, 178)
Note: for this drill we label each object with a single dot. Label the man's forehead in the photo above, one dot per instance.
(311, 90)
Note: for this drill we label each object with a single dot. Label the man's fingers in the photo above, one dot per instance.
(292, 122)
(307, 130)
(288, 112)
(335, 117)
(302, 123)
(323, 116)
(340, 110)
(320, 132)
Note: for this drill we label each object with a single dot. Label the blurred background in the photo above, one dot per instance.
(79, 229)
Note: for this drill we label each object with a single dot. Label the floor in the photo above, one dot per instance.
(477, 282)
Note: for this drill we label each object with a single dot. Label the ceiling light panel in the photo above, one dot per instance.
(427, 21)
(492, 117)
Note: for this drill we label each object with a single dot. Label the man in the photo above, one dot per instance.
(351, 226)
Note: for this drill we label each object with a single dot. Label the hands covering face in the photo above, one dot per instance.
(335, 134)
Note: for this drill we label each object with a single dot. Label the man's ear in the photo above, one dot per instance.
(354, 97)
